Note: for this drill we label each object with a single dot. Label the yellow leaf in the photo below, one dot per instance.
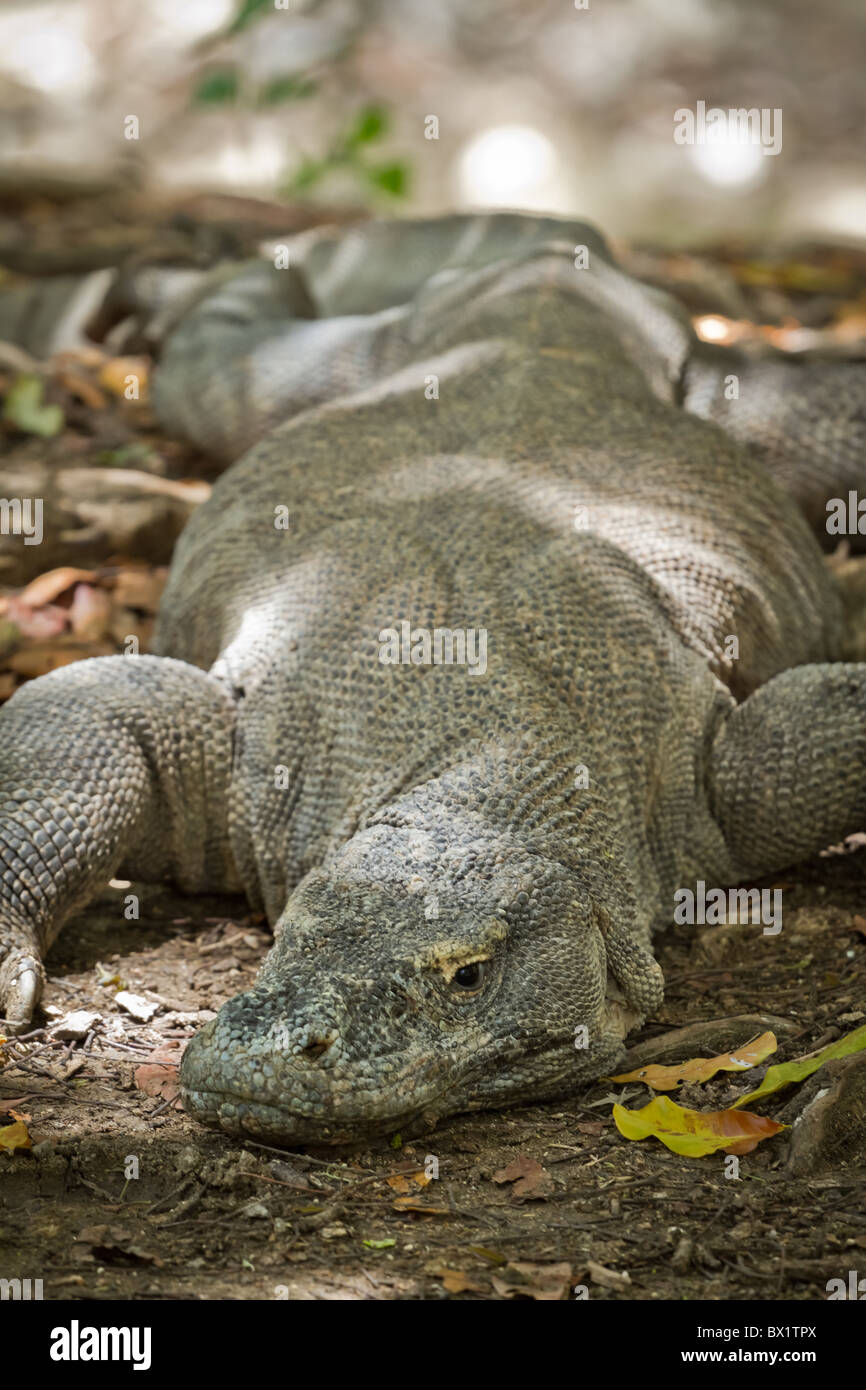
(703, 1068)
(694, 1132)
(402, 1182)
(455, 1281)
(787, 1072)
(15, 1137)
(412, 1204)
(115, 376)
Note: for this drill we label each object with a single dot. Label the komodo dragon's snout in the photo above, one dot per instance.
(412, 979)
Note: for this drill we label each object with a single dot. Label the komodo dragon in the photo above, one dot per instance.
(455, 425)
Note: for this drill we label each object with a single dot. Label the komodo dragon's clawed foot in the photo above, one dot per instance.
(22, 978)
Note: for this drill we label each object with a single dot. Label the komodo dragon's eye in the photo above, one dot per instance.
(471, 976)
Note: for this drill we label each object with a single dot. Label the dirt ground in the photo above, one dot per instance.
(209, 1217)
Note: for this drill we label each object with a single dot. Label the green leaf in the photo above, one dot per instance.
(136, 455)
(248, 11)
(218, 86)
(371, 124)
(396, 1141)
(288, 88)
(378, 1244)
(785, 1073)
(390, 178)
(308, 174)
(25, 408)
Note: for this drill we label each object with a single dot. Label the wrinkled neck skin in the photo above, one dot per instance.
(437, 964)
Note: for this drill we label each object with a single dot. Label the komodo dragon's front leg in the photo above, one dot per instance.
(109, 763)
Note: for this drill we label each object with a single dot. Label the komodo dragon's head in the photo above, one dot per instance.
(415, 977)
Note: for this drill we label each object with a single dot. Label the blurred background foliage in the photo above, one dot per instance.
(419, 107)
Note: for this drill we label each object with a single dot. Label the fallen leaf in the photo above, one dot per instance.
(544, 1283)
(455, 1281)
(42, 657)
(114, 1245)
(494, 1256)
(608, 1278)
(403, 1182)
(115, 373)
(411, 1204)
(693, 1133)
(87, 355)
(140, 588)
(107, 977)
(34, 624)
(78, 385)
(26, 410)
(9, 1107)
(15, 1136)
(158, 1081)
(665, 1078)
(531, 1181)
(785, 1073)
(593, 1127)
(49, 586)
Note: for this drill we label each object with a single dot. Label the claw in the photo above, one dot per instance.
(22, 994)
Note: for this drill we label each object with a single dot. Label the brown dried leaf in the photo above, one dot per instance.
(543, 1283)
(158, 1081)
(455, 1281)
(531, 1181)
(49, 586)
(41, 657)
(78, 385)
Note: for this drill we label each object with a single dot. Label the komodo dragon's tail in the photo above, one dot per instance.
(228, 369)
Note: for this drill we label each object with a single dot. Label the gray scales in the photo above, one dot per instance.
(462, 866)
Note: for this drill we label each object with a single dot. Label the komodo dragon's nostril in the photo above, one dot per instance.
(316, 1047)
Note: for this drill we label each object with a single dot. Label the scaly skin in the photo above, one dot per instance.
(463, 869)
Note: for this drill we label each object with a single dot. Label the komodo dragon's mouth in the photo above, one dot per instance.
(280, 1125)
(305, 1109)
(290, 1101)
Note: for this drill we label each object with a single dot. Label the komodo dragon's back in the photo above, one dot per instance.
(478, 652)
